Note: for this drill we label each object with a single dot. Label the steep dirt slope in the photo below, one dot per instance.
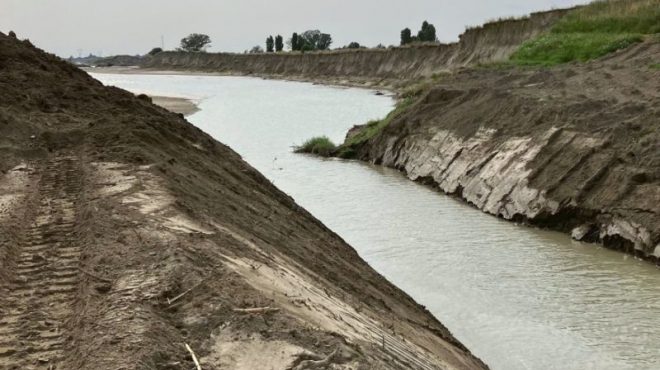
(494, 41)
(574, 148)
(126, 234)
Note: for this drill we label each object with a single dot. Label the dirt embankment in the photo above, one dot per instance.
(492, 42)
(573, 148)
(126, 234)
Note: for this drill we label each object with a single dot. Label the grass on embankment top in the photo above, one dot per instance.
(320, 145)
(592, 31)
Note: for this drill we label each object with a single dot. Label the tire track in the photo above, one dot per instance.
(44, 273)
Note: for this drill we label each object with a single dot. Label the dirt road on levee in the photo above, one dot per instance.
(43, 270)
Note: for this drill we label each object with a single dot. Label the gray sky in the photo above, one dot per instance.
(135, 26)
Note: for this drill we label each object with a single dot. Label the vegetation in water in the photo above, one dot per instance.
(320, 145)
(592, 31)
(324, 147)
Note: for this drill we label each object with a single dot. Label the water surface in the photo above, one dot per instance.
(519, 298)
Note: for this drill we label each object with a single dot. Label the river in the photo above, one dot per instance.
(518, 297)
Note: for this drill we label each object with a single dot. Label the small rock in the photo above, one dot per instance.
(38, 258)
(103, 288)
(580, 232)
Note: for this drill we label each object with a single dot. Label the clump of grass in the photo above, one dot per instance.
(592, 31)
(324, 147)
(655, 66)
(373, 127)
(320, 145)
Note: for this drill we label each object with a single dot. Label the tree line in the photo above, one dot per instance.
(425, 34)
(311, 40)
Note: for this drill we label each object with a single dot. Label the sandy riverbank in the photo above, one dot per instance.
(176, 105)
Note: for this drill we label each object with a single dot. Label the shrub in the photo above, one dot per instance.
(320, 145)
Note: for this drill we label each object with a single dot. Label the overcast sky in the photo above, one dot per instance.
(70, 27)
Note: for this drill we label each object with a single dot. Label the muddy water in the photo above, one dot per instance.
(519, 298)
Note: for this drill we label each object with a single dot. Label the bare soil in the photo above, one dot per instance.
(574, 148)
(126, 234)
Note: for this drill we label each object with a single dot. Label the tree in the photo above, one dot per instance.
(427, 33)
(324, 42)
(406, 36)
(195, 42)
(295, 44)
(279, 43)
(430, 33)
(353, 45)
(155, 51)
(256, 50)
(269, 44)
(314, 40)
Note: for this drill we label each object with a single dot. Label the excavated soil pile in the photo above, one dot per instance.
(129, 239)
(574, 148)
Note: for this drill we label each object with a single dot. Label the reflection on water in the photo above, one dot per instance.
(519, 298)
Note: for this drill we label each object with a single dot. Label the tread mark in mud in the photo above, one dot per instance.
(44, 276)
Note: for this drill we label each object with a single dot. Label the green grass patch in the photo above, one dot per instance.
(373, 127)
(592, 31)
(320, 145)
(655, 66)
(614, 17)
(553, 48)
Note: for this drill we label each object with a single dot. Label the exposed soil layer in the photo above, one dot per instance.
(573, 148)
(126, 233)
(492, 42)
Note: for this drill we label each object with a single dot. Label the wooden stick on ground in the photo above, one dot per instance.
(257, 310)
(171, 301)
(192, 354)
(94, 275)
